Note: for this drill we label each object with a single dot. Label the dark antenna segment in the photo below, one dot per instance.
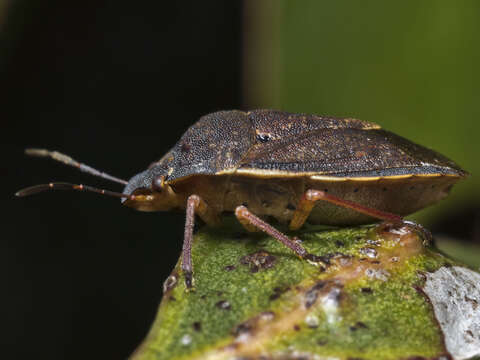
(67, 186)
(55, 155)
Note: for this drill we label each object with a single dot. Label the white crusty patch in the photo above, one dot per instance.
(455, 295)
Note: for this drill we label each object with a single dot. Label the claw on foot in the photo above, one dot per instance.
(424, 233)
(315, 260)
(189, 282)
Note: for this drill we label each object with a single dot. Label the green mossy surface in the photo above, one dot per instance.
(383, 315)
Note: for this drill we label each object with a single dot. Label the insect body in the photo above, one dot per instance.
(271, 163)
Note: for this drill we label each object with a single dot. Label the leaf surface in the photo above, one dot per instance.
(254, 298)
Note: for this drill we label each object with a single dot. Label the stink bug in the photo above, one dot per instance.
(272, 163)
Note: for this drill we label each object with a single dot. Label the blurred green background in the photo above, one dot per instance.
(410, 66)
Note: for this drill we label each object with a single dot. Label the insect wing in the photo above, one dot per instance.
(346, 152)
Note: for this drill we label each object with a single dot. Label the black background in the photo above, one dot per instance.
(113, 84)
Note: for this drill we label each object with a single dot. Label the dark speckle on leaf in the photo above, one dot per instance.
(472, 301)
(369, 252)
(223, 304)
(242, 328)
(277, 292)
(312, 294)
(373, 242)
(258, 261)
(358, 325)
(197, 326)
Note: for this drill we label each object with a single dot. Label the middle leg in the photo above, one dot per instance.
(252, 222)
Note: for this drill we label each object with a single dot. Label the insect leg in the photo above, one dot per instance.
(311, 196)
(252, 222)
(308, 200)
(195, 205)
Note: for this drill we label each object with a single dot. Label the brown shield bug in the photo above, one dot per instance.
(272, 163)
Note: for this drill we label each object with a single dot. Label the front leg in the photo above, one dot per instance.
(195, 204)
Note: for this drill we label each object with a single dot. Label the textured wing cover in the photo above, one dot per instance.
(349, 152)
(296, 143)
(337, 147)
(279, 125)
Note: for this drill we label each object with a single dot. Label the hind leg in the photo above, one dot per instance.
(311, 196)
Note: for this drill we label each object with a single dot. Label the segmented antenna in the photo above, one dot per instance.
(55, 155)
(67, 186)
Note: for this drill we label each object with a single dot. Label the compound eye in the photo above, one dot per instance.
(158, 183)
